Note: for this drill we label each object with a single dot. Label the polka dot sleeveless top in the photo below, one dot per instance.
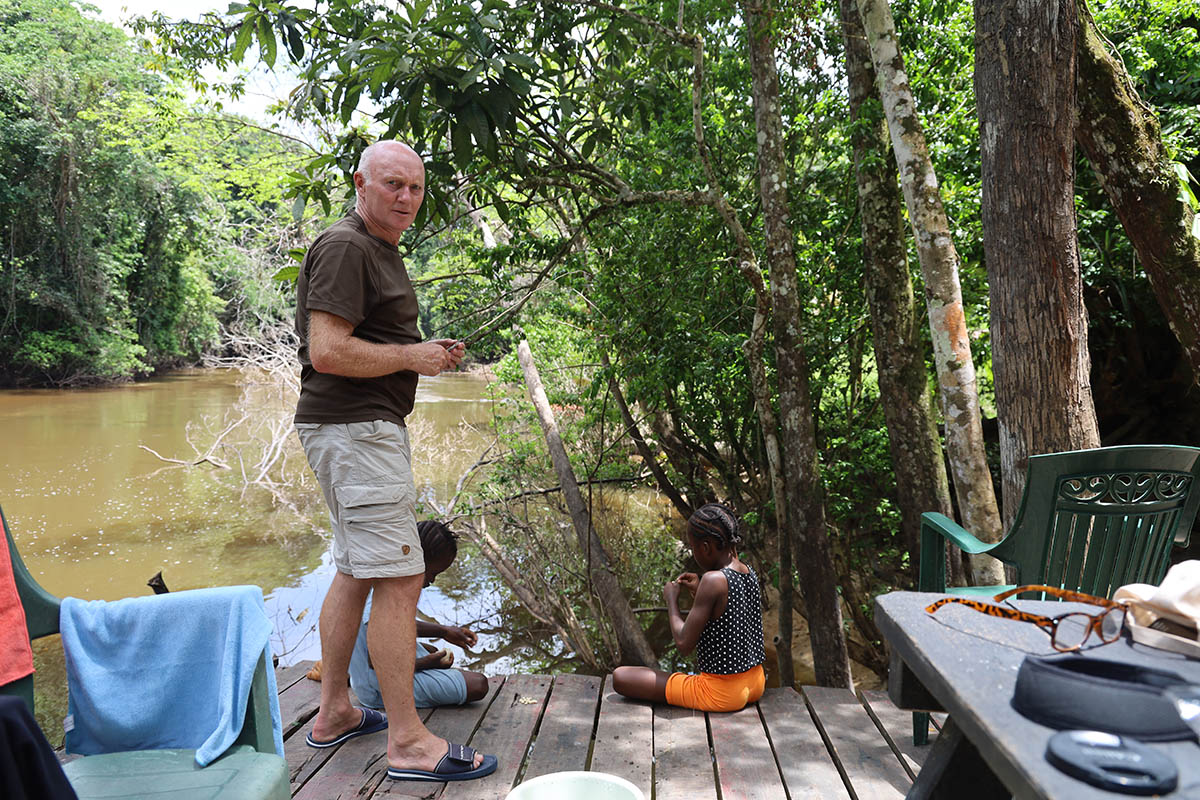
(733, 642)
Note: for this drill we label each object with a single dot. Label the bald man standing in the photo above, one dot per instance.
(360, 355)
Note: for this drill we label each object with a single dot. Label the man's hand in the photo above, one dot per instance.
(463, 637)
(333, 348)
(689, 581)
(436, 356)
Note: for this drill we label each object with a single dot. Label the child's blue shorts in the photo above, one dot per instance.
(431, 687)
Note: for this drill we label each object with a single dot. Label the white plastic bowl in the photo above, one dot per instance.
(576, 786)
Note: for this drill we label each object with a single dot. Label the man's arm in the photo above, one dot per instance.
(333, 348)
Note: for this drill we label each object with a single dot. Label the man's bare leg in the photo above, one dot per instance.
(341, 613)
(392, 641)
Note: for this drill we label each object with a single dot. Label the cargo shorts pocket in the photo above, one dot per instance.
(372, 503)
(380, 526)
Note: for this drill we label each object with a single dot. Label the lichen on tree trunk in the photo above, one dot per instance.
(801, 467)
(760, 384)
(943, 294)
(916, 451)
(1122, 139)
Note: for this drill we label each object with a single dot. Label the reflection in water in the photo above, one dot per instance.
(95, 515)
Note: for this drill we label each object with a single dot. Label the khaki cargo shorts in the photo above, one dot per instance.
(365, 472)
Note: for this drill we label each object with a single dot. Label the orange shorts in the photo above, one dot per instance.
(709, 692)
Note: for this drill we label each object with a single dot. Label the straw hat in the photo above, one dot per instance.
(1166, 616)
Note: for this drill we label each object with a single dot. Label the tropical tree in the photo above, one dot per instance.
(126, 215)
(1152, 192)
(1027, 122)
(953, 360)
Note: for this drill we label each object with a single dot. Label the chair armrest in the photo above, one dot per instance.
(256, 730)
(1182, 536)
(942, 525)
(935, 528)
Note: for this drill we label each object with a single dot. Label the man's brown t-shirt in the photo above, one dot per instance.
(362, 279)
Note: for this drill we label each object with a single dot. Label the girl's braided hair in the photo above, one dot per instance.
(437, 540)
(717, 521)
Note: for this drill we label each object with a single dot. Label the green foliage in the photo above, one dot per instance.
(1159, 43)
(121, 207)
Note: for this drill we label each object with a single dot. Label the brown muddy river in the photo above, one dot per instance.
(95, 514)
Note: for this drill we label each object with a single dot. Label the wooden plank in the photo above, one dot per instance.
(286, 676)
(896, 726)
(905, 689)
(453, 723)
(956, 769)
(505, 731)
(865, 758)
(624, 739)
(804, 761)
(746, 767)
(565, 734)
(683, 762)
(303, 761)
(351, 771)
(298, 704)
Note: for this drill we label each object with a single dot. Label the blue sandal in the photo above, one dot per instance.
(371, 722)
(457, 765)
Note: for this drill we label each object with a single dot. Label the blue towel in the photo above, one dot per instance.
(168, 671)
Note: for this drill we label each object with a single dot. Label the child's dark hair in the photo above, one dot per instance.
(437, 540)
(716, 521)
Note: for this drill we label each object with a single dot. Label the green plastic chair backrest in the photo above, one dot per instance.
(41, 619)
(1094, 520)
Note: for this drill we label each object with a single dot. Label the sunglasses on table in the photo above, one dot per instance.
(1068, 632)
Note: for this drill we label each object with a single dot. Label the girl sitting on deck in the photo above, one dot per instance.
(724, 625)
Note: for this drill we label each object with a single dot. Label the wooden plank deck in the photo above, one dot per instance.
(821, 743)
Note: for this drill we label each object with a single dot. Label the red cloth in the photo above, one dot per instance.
(16, 657)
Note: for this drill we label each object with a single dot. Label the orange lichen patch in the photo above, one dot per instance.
(953, 323)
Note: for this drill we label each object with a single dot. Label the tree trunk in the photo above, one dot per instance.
(630, 637)
(1123, 142)
(801, 469)
(916, 450)
(761, 385)
(943, 295)
(1025, 85)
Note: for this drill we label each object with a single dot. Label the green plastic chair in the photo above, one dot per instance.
(1090, 521)
(249, 770)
